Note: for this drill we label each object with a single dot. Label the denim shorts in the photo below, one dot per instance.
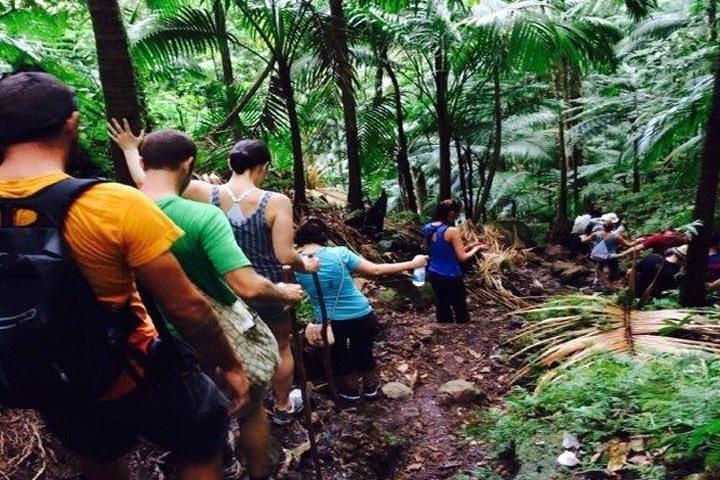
(184, 413)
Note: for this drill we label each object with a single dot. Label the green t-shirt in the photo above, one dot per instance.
(207, 251)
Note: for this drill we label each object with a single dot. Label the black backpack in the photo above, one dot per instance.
(57, 341)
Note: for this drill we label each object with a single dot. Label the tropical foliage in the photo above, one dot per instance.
(549, 104)
(628, 418)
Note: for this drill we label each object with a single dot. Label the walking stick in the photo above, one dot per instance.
(302, 373)
(327, 360)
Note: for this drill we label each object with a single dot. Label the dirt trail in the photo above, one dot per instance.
(419, 437)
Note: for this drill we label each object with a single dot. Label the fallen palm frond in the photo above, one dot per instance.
(21, 444)
(486, 281)
(570, 330)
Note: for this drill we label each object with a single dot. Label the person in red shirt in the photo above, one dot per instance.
(659, 243)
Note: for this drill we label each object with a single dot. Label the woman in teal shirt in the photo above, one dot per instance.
(349, 311)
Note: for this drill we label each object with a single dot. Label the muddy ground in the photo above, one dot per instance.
(420, 438)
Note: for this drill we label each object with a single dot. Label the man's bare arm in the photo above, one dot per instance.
(249, 285)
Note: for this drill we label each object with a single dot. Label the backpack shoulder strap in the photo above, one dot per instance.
(51, 204)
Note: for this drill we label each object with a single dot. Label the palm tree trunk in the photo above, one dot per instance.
(242, 103)
(117, 74)
(381, 55)
(224, 47)
(225, 60)
(560, 232)
(300, 198)
(481, 214)
(712, 19)
(577, 157)
(421, 188)
(441, 107)
(344, 76)
(469, 164)
(692, 289)
(461, 171)
(404, 174)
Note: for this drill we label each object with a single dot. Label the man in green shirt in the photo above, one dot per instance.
(214, 262)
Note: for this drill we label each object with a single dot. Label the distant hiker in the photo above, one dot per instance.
(116, 236)
(605, 243)
(584, 225)
(217, 265)
(350, 314)
(447, 252)
(659, 243)
(262, 222)
(712, 274)
(658, 272)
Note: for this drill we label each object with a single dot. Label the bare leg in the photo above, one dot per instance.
(209, 470)
(283, 379)
(254, 442)
(113, 470)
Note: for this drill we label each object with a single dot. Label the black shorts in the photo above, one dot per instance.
(353, 348)
(185, 413)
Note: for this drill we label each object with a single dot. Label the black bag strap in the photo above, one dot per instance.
(51, 203)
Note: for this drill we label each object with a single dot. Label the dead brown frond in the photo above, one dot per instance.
(487, 281)
(572, 332)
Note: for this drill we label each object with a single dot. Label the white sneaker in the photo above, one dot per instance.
(283, 417)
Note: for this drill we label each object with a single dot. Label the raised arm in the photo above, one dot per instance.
(369, 268)
(129, 143)
(280, 214)
(463, 254)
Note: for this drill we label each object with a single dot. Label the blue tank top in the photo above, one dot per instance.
(443, 260)
(253, 234)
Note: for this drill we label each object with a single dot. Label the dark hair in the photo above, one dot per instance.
(166, 149)
(312, 230)
(445, 208)
(247, 154)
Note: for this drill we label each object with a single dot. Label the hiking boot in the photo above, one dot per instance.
(348, 394)
(283, 417)
(371, 391)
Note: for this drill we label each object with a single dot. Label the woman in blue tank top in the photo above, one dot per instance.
(447, 252)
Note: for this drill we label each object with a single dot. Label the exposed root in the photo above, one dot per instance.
(21, 445)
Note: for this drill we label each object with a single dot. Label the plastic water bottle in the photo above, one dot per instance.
(418, 277)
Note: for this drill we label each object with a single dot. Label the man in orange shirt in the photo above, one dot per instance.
(117, 235)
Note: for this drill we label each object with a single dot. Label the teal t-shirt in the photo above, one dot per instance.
(207, 251)
(343, 300)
